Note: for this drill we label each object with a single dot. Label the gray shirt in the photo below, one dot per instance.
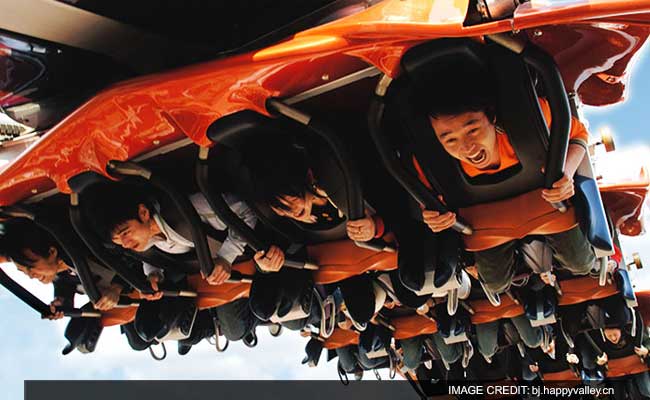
(173, 243)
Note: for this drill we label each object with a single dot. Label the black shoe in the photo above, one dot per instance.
(412, 280)
(183, 347)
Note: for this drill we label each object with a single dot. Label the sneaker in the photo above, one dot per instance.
(275, 330)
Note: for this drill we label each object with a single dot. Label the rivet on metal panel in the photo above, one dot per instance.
(34, 191)
(325, 77)
(537, 33)
(156, 142)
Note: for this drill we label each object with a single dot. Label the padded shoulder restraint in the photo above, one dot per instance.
(242, 129)
(519, 114)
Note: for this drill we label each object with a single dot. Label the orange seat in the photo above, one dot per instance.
(566, 375)
(342, 259)
(629, 365)
(501, 221)
(412, 326)
(579, 290)
(341, 338)
(575, 291)
(216, 295)
(118, 316)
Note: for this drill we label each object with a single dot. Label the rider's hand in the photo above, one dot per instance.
(572, 358)
(154, 280)
(602, 359)
(641, 351)
(548, 278)
(561, 190)
(58, 302)
(438, 222)
(220, 273)
(271, 260)
(109, 298)
(361, 230)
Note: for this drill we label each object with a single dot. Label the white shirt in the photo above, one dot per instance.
(173, 243)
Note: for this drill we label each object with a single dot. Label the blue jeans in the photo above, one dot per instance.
(412, 349)
(487, 335)
(449, 352)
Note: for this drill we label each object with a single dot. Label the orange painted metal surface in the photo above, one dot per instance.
(624, 202)
(499, 222)
(566, 375)
(342, 259)
(118, 316)
(629, 365)
(412, 326)
(216, 295)
(341, 338)
(142, 114)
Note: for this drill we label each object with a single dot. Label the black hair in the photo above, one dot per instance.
(109, 205)
(461, 93)
(278, 170)
(19, 235)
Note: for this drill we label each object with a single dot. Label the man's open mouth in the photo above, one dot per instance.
(478, 158)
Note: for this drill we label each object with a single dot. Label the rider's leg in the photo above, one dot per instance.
(496, 266)
(236, 319)
(449, 352)
(487, 336)
(572, 251)
(531, 336)
(348, 358)
(412, 349)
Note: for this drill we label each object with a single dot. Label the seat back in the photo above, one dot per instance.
(519, 114)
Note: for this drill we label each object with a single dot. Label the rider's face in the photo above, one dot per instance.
(297, 208)
(470, 137)
(134, 234)
(613, 335)
(44, 269)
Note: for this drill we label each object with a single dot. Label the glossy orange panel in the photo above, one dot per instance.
(118, 316)
(216, 295)
(593, 58)
(412, 326)
(342, 259)
(502, 221)
(566, 375)
(579, 290)
(629, 365)
(140, 115)
(341, 338)
(485, 312)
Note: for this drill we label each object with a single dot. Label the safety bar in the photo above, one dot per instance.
(75, 253)
(88, 237)
(232, 221)
(353, 189)
(560, 111)
(36, 304)
(388, 157)
(133, 170)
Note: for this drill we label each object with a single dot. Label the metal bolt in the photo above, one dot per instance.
(537, 33)
(156, 142)
(34, 191)
(325, 77)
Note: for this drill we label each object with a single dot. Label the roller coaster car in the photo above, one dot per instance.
(328, 72)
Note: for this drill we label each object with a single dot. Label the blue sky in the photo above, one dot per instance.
(31, 347)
